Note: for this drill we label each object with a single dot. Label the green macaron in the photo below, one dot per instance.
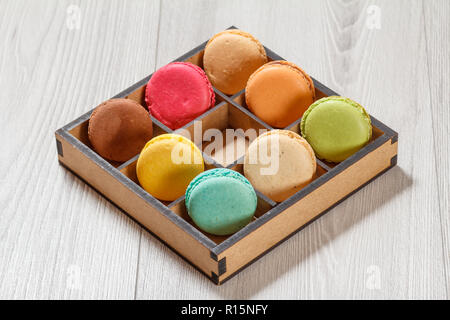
(220, 201)
(336, 128)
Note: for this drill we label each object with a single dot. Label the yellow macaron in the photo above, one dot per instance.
(167, 164)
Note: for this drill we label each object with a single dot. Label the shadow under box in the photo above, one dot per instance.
(220, 258)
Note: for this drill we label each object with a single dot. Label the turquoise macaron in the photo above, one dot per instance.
(221, 201)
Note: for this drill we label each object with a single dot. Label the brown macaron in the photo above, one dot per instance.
(119, 129)
(230, 58)
(279, 93)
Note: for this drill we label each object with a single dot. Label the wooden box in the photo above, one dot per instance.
(220, 258)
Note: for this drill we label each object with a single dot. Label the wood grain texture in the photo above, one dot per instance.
(437, 33)
(379, 230)
(59, 238)
(390, 240)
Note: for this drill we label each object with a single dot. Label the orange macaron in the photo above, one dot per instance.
(279, 93)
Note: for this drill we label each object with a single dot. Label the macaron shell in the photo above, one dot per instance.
(119, 128)
(218, 172)
(296, 164)
(230, 58)
(336, 128)
(220, 203)
(160, 168)
(178, 93)
(279, 93)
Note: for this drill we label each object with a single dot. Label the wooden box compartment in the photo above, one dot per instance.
(221, 257)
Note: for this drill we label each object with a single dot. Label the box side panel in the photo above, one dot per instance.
(99, 178)
(308, 208)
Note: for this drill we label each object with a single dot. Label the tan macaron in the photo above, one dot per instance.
(230, 58)
(279, 93)
(279, 163)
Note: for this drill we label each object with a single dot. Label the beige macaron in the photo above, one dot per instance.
(230, 58)
(279, 163)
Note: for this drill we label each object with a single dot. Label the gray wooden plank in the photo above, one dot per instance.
(388, 241)
(437, 32)
(59, 238)
(384, 242)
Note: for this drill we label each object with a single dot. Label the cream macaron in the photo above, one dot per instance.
(279, 163)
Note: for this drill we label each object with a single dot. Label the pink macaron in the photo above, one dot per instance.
(178, 93)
